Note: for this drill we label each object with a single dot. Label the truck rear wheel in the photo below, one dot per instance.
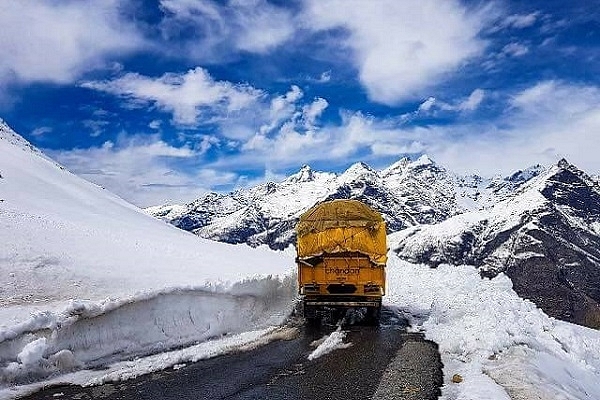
(310, 314)
(373, 315)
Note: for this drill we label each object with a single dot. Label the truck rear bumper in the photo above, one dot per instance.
(342, 303)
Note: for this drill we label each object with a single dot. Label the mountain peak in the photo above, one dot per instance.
(563, 163)
(405, 164)
(305, 174)
(358, 171)
(422, 161)
(359, 167)
(526, 174)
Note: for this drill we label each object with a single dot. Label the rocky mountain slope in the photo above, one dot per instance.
(545, 237)
(541, 226)
(408, 193)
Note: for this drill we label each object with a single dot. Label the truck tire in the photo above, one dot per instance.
(373, 315)
(310, 314)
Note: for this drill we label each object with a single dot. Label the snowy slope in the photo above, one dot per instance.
(85, 276)
(545, 236)
(502, 346)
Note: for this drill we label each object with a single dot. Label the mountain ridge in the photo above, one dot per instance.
(539, 225)
(407, 193)
(545, 237)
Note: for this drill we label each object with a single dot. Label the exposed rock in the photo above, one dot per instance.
(545, 237)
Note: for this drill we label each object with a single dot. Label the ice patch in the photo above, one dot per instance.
(329, 343)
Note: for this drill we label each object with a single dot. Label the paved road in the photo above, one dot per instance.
(384, 362)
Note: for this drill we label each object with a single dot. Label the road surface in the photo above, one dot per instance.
(384, 362)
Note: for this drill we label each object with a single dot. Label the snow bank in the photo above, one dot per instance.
(87, 279)
(503, 346)
(86, 335)
(175, 359)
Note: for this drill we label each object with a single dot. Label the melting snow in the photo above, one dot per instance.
(329, 343)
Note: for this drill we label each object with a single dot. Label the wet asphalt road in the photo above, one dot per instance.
(384, 362)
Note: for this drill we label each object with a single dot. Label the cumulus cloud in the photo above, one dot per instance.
(255, 26)
(541, 124)
(57, 41)
(187, 96)
(290, 125)
(144, 170)
(400, 47)
(294, 144)
(311, 112)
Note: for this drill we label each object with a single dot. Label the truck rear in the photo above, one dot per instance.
(341, 257)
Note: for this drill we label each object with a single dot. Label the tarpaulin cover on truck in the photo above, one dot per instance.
(342, 226)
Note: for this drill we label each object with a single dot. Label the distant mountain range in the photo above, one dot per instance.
(541, 225)
(408, 193)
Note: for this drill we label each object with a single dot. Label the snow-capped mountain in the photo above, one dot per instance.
(539, 225)
(545, 236)
(407, 193)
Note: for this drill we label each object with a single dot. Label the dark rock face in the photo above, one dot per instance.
(562, 280)
(551, 251)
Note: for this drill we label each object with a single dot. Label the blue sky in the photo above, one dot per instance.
(161, 101)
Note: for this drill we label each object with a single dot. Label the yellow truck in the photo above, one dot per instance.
(341, 257)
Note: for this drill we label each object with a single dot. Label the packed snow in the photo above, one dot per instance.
(87, 279)
(502, 346)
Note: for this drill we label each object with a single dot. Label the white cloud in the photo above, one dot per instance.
(515, 50)
(325, 77)
(57, 41)
(187, 95)
(95, 126)
(473, 101)
(207, 142)
(401, 47)
(521, 21)
(144, 170)
(155, 124)
(285, 105)
(311, 112)
(255, 26)
(542, 123)
(427, 104)
(547, 121)
(295, 144)
(42, 130)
